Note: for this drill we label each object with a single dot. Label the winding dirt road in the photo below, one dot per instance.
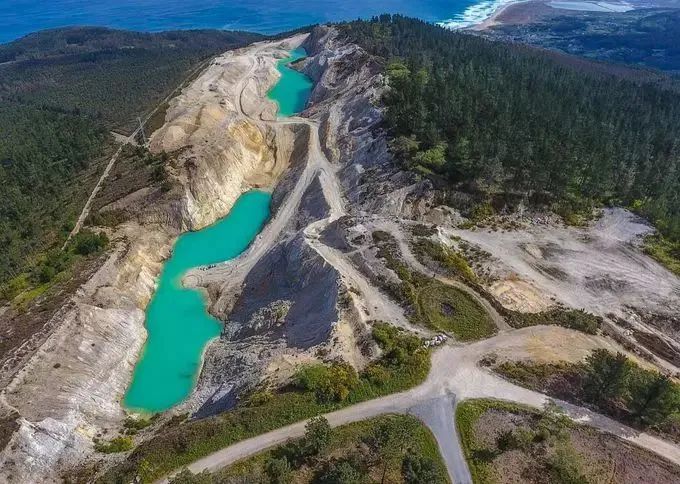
(125, 141)
(455, 376)
(455, 373)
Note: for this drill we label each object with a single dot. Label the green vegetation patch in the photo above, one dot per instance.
(449, 309)
(429, 302)
(391, 448)
(119, 444)
(404, 365)
(451, 260)
(664, 251)
(51, 268)
(576, 319)
(612, 383)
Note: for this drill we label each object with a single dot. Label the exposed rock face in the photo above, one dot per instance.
(279, 311)
(345, 101)
(287, 306)
(70, 390)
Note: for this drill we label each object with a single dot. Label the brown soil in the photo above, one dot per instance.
(603, 457)
(23, 330)
(658, 346)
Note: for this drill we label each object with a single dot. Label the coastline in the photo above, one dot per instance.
(521, 12)
(480, 15)
(495, 18)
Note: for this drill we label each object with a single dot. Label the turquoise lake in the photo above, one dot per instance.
(177, 322)
(293, 89)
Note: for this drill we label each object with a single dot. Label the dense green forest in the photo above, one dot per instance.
(61, 91)
(494, 117)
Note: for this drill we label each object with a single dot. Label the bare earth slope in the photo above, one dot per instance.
(298, 289)
(70, 390)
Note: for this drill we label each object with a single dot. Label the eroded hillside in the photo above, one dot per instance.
(357, 245)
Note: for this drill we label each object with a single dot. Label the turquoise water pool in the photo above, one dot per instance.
(178, 325)
(292, 91)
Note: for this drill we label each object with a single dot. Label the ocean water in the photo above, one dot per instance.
(177, 322)
(20, 17)
(293, 89)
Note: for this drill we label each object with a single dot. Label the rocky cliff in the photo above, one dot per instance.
(70, 390)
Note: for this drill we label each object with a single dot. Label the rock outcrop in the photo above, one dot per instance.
(70, 390)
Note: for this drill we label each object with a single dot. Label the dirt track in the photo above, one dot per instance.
(455, 374)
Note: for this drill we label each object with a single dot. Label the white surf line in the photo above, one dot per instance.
(475, 14)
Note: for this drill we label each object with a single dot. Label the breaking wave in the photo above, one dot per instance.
(474, 14)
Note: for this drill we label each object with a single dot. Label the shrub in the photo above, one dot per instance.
(420, 470)
(576, 319)
(278, 470)
(449, 259)
(318, 434)
(481, 211)
(260, 398)
(329, 383)
(343, 472)
(565, 466)
(108, 218)
(119, 444)
(377, 374)
(133, 425)
(87, 242)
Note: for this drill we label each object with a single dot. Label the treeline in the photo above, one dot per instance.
(500, 118)
(617, 385)
(611, 383)
(110, 75)
(394, 448)
(42, 151)
(61, 91)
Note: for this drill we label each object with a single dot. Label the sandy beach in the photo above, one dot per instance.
(520, 12)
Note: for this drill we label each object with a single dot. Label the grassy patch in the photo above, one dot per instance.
(365, 450)
(403, 366)
(664, 251)
(429, 302)
(530, 374)
(453, 262)
(449, 309)
(610, 383)
(119, 444)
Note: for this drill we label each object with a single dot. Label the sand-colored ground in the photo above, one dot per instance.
(600, 268)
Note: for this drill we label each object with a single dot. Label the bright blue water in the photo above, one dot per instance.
(176, 319)
(20, 17)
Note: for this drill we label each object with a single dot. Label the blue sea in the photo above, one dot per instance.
(21, 17)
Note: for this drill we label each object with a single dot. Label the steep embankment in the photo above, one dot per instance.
(70, 391)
